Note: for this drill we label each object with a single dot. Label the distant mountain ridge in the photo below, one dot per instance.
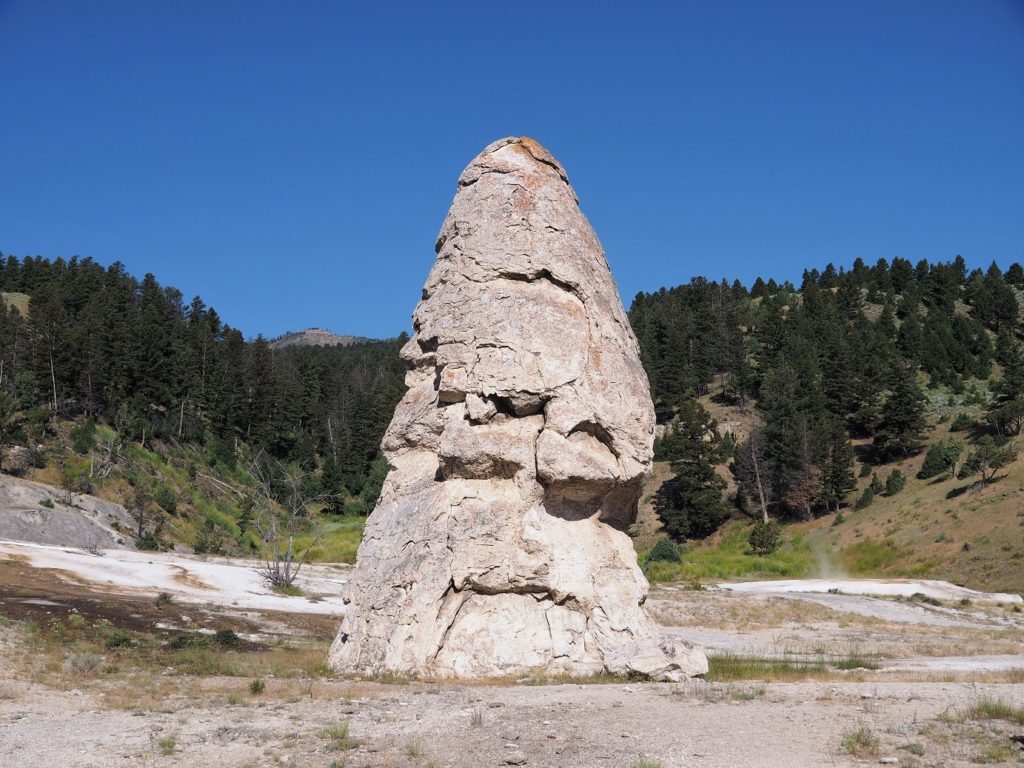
(314, 337)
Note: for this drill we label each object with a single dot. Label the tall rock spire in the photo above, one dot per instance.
(517, 455)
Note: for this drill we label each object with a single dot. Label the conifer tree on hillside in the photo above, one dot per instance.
(901, 424)
(1006, 413)
(837, 480)
(691, 506)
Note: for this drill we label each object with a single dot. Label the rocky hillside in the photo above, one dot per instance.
(18, 301)
(314, 337)
(43, 514)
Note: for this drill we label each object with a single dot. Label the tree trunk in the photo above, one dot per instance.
(53, 380)
(757, 478)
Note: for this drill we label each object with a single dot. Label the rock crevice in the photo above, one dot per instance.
(517, 455)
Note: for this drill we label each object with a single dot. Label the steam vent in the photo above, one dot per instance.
(517, 455)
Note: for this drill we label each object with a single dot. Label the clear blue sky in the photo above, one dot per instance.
(291, 162)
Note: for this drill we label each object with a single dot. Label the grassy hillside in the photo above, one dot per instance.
(950, 529)
(196, 498)
(941, 528)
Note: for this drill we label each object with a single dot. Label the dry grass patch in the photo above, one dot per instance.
(861, 742)
(723, 610)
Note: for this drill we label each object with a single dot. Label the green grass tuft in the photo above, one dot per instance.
(861, 742)
(338, 736)
(732, 667)
(987, 708)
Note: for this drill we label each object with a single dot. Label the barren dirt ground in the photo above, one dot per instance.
(797, 680)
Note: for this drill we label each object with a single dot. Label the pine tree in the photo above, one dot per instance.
(902, 423)
(692, 505)
(895, 483)
(942, 457)
(837, 478)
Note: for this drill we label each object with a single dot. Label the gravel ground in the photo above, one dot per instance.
(782, 725)
(934, 662)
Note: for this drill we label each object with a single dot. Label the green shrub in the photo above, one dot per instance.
(221, 453)
(354, 507)
(166, 500)
(941, 457)
(865, 470)
(861, 743)
(665, 551)
(190, 640)
(963, 423)
(256, 687)
(167, 744)
(118, 638)
(83, 437)
(877, 486)
(227, 638)
(48, 503)
(895, 483)
(866, 499)
(764, 537)
(209, 540)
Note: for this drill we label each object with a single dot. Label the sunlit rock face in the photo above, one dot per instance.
(517, 455)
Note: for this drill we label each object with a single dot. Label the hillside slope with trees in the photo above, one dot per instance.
(103, 376)
(846, 389)
(873, 412)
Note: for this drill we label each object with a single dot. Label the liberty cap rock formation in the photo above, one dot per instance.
(516, 457)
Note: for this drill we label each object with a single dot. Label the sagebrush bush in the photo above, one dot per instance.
(84, 663)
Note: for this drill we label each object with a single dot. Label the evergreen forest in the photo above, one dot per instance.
(824, 383)
(96, 344)
(827, 382)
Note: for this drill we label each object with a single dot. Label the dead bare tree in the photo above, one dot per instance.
(281, 512)
(750, 471)
(110, 445)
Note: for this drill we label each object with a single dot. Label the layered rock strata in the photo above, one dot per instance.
(516, 457)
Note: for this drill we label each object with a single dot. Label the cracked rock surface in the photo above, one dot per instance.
(516, 457)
